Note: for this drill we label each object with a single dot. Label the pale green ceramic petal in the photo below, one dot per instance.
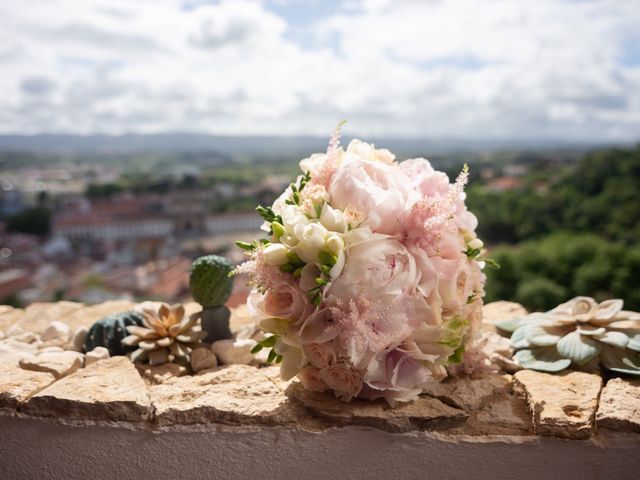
(634, 342)
(621, 360)
(542, 359)
(578, 348)
(510, 325)
(518, 338)
(539, 336)
(617, 339)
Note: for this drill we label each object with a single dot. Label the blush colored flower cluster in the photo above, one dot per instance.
(370, 283)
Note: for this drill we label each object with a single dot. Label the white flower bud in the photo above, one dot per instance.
(476, 243)
(275, 254)
(335, 244)
(332, 219)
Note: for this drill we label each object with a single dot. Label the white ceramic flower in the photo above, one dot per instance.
(578, 331)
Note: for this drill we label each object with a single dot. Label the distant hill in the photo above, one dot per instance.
(190, 142)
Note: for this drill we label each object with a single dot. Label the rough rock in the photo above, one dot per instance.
(495, 312)
(619, 407)
(26, 337)
(17, 385)
(9, 316)
(108, 390)
(424, 413)
(57, 331)
(156, 374)
(232, 351)
(38, 316)
(12, 351)
(59, 364)
(489, 400)
(98, 353)
(562, 405)
(203, 359)
(232, 394)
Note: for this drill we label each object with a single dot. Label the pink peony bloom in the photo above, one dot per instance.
(310, 378)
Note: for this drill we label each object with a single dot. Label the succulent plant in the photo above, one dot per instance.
(578, 331)
(109, 331)
(166, 335)
(209, 280)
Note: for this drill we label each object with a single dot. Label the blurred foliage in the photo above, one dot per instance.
(36, 221)
(542, 273)
(598, 193)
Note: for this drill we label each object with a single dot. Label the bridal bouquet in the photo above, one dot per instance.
(370, 283)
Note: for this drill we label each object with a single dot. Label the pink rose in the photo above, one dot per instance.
(284, 301)
(319, 354)
(345, 381)
(310, 378)
(396, 371)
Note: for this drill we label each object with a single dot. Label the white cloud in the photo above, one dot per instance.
(468, 68)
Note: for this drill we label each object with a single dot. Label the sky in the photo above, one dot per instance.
(473, 69)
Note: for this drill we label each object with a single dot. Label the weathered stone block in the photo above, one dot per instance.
(619, 407)
(562, 405)
(108, 390)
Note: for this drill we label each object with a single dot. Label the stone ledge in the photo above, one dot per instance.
(114, 390)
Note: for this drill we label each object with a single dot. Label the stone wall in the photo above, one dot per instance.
(58, 408)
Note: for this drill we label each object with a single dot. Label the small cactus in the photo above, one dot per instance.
(209, 280)
(108, 332)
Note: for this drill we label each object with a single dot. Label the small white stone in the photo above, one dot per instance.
(77, 341)
(56, 331)
(203, 359)
(98, 353)
(232, 352)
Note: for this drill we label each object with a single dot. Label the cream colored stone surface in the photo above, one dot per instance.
(12, 351)
(619, 407)
(562, 405)
(489, 400)
(57, 363)
(426, 413)
(9, 316)
(231, 394)
(17, 385)
(38, 316)
(156, 374)
(108, 390)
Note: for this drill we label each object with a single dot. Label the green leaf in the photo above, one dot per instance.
(277, 229)
(544, 359)
(272, 356)
(256, 348)
(269, 341)
(492, 263)
(245, 245)
(456, 357)
(579, 348)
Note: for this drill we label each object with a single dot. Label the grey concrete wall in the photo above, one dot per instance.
(37, 449)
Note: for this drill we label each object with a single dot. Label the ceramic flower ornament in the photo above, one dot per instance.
(578, 331)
